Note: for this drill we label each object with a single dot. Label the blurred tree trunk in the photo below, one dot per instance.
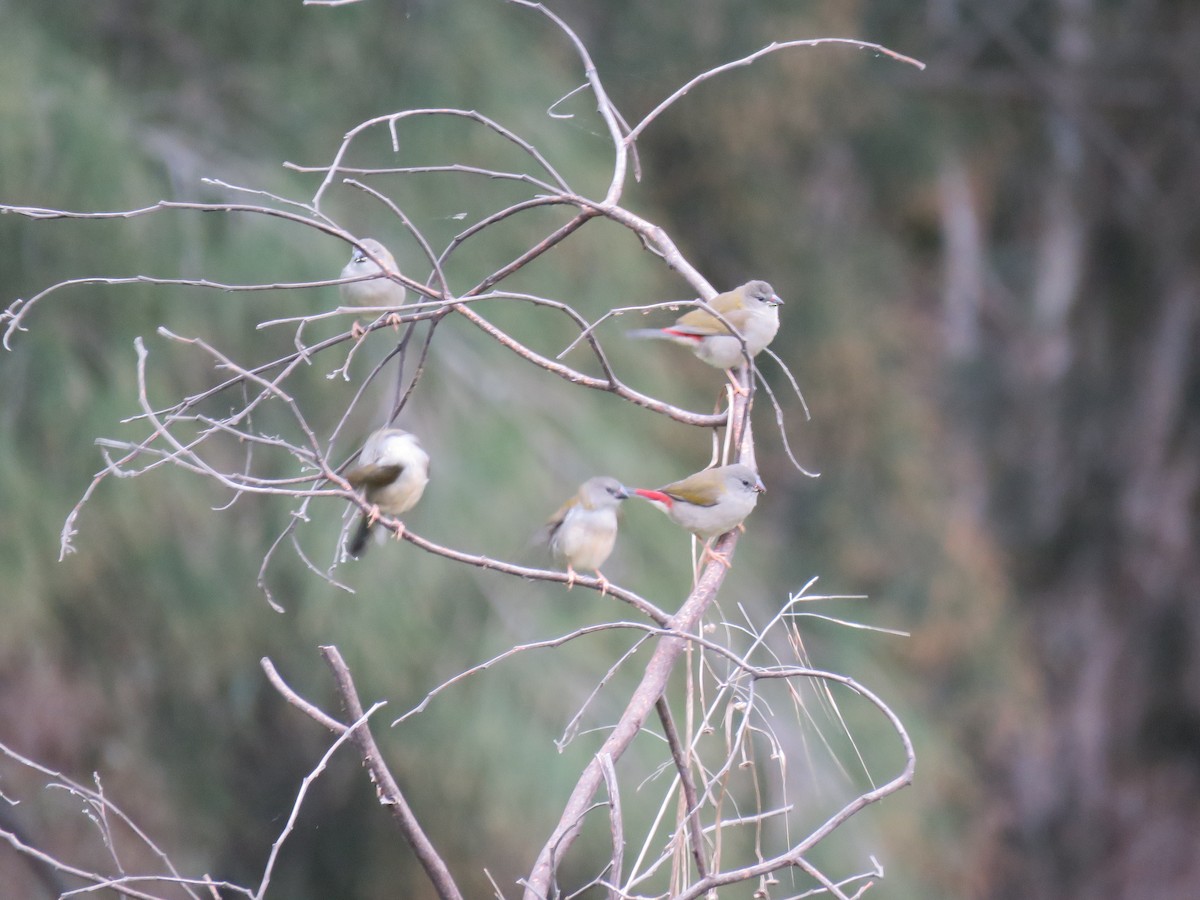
(1094, 448)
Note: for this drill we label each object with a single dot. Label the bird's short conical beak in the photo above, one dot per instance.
(775, 299)
(625, 494)
(759, 487)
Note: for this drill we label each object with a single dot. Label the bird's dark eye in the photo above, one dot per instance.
(746, 484)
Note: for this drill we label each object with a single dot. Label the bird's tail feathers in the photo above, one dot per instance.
(656, 497)
(648, 334)
(358, 542)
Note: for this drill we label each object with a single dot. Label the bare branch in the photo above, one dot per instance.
(684, 769)
(346, 733)
(385, 785)
(641, 126)
(335, 168)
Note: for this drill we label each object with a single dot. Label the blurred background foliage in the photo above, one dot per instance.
(991, 284)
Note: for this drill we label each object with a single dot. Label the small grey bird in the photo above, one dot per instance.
(392, 472)
(583, 531)
(378, 291)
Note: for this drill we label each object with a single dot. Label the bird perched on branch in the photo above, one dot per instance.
(372, 258)
(709, 503)
(392, 472)
(752, 309)
(584, 529)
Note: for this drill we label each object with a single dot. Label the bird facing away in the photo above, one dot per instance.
(753, 309)
(380, 291)
(392, 472)
(709, 503)
(584, 529)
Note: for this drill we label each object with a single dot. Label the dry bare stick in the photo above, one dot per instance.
(275, 198)
(875, 872)
(311, 710)
(820, 878)
(639, 603)
(604, 106)
(18, 309)
(641, 126)
(490, 174)
(347, 732)
(652, 235)
(94, 800)
(551, 240)
(402, 393)
(615, 821)
(609, 385)
(53, 864)
(796, 853)
(291, 360)
(123, 885)
(335, 167)
(571, 730)
(779, 424)
(12, 832)
(386, 788)
(549, 643)
(684, 769)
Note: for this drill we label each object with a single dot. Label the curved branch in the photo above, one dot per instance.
(645, 607)
(641, 126)
(332, 170)
(612, 385)
(603, 104)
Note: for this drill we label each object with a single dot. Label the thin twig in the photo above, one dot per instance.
(385, 785)
(684, 769)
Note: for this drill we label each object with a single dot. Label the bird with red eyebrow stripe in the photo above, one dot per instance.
(709, 503)
(752, 309)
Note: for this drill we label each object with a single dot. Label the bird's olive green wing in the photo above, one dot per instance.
(373, 475)
(701, 322)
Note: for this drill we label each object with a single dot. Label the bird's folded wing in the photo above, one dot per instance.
(700, 322)
(373, 475)
(546, 533)
(694, 498)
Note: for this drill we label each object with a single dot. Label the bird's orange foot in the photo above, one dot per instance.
(571, 576)
(373, 514)
(357, 330)
(605, 584)
(395, 320)
(709, 553)
(400, 531)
